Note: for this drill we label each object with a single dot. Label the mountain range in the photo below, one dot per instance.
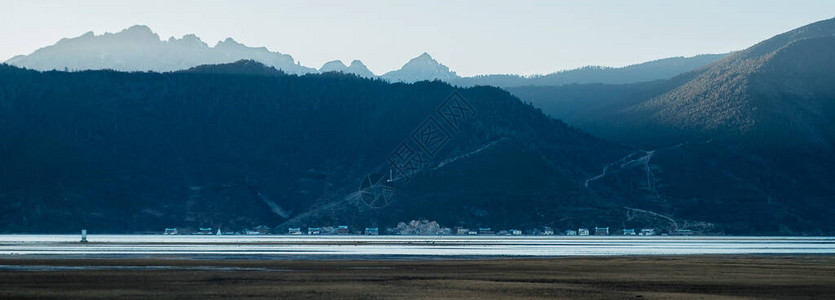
(736, 144)
(139, 49)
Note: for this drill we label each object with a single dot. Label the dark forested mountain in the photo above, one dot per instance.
(753, 130)
(743, 145)
(243, 144)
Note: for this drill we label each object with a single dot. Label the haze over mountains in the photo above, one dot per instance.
(785, 79)
(139, 49)
(653, 70)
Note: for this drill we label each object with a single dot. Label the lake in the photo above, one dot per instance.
(314, 247)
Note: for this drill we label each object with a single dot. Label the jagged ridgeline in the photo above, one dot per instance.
(139, 49)
(242, 144)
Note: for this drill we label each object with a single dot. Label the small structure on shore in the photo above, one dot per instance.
(372, 231)
(170, 231)
(601, 230)
(682, 232)
(583, 231)
(571, 232)
(548, 231)
(83, 236)
(262, 229)
(342, 229)
(294, 231)
(259, 230)
(314, 230)
(629, 232)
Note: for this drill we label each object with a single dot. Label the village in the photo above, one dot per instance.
(429, 229)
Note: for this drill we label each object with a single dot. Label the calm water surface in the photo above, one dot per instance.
(277, 246)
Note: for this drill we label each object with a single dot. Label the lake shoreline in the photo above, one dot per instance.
(399, 247)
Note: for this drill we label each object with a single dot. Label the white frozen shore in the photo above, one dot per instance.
(312, 247)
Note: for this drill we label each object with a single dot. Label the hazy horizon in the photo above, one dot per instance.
(527, 37)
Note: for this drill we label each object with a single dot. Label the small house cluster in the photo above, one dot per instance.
(458, 230)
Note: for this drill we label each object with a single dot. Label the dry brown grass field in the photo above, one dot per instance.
(647, 277)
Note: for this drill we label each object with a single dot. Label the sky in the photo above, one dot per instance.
(471, 37)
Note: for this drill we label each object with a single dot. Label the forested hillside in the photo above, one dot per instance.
(753, 130)
(239, 145)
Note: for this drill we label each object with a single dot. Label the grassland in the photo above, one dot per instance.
(691, 277)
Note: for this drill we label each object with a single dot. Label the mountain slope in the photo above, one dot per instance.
(333, 66)
(356, 68)
(768, 92)
(421, 68)
(649, 71)
(424, 67)
(238, 145)
(745, 95)
(750, 134)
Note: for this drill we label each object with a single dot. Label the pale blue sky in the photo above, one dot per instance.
(471, 37)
